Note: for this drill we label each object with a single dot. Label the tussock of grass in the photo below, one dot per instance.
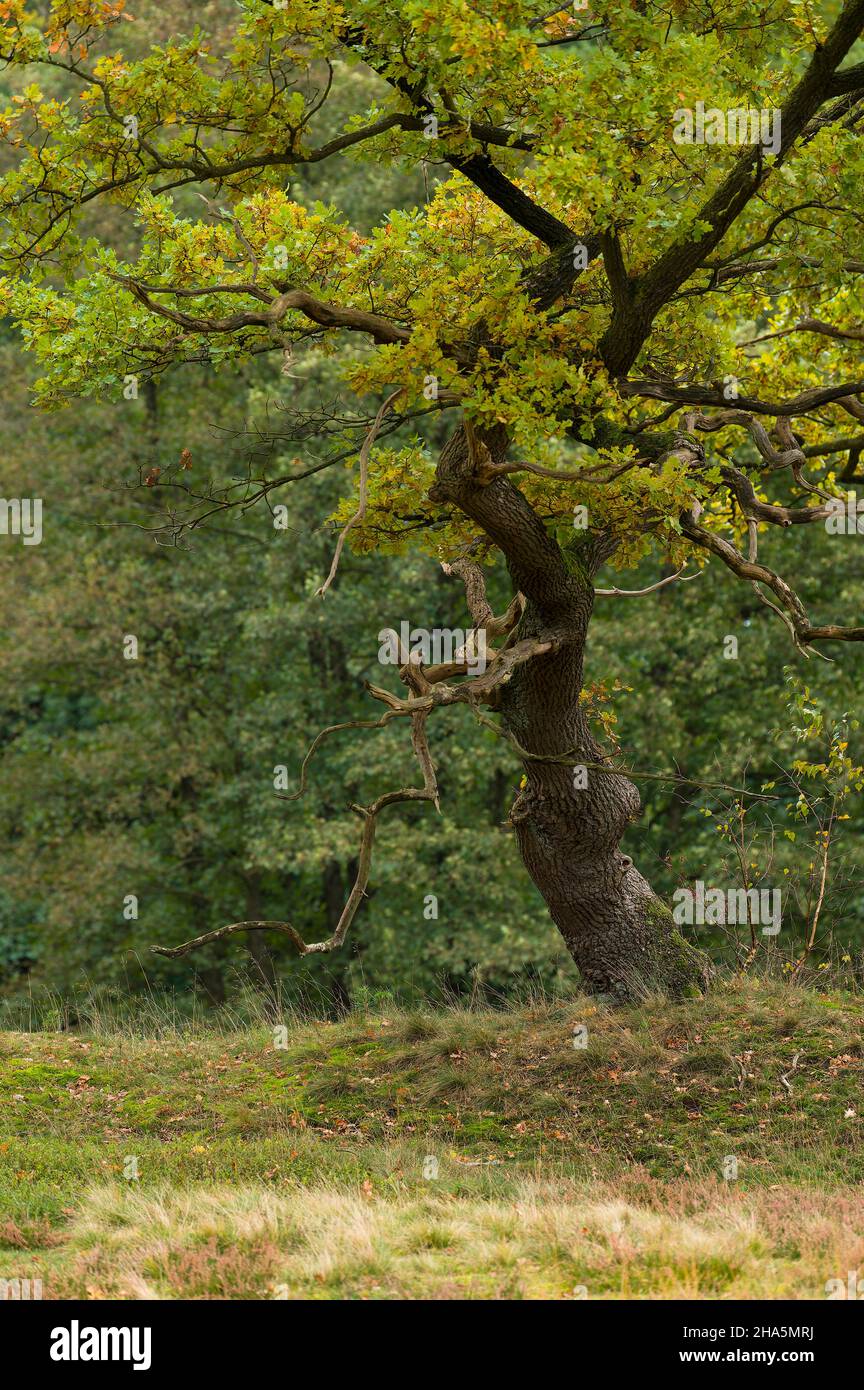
(306, 1167)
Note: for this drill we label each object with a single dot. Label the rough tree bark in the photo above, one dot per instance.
(569, 831)
(568, 827)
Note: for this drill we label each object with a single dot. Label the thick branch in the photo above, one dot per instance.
(327, 315)
(799, 624)
(660, 390)
(633, 317)
(536, 561)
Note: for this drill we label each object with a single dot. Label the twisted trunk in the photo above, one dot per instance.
(569, 826)
(569, 821)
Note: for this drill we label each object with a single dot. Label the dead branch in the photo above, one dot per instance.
(173, 951)
(370, 816)
(425, 697)
(651, 589)
(472, 576)
(363, 488)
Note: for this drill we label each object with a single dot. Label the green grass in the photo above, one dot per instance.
(299, 1172)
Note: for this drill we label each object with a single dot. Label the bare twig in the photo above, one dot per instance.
(361, 501)
(651, 589)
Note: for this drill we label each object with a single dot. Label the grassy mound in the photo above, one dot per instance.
(684, 1151)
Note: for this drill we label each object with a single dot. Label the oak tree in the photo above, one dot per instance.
(631, 303)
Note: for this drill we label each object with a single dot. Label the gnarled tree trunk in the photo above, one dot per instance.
(569, 821)
(569, 826)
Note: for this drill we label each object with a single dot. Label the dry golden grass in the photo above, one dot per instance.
(542, 1239)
